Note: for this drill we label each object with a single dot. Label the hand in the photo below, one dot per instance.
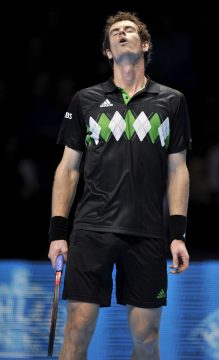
(57, 247)
(180, 256)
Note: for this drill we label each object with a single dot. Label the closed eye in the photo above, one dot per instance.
(117, 31)
(130, 29)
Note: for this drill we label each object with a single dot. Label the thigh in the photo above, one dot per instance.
(142, 273)
(88, 275)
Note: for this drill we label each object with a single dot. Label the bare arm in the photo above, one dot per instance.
(63, 193)
(178, 196)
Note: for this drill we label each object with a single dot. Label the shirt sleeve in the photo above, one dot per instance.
(73, 130)
(180, 132)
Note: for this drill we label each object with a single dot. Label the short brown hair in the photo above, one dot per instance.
(142, 30)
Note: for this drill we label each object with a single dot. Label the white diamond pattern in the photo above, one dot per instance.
(95, 130)
(117, 125)
(164, 131)
(142, 125)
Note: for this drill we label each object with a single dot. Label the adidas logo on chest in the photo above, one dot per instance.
(106, 103)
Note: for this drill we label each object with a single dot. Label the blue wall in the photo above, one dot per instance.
(189, 326)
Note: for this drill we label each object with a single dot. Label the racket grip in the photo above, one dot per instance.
(59, 263)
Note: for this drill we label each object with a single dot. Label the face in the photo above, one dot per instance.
(124, 39)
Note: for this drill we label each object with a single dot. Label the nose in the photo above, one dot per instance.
(121, 32)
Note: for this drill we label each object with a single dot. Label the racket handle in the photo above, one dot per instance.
(59, 263)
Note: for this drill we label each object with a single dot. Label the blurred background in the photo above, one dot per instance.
(51, 50)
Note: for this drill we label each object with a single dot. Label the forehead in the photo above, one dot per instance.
(123, 23)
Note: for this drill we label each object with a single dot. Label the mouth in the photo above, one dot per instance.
(123, 41)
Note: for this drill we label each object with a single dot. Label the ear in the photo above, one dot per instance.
(145, 46)
(108, 54)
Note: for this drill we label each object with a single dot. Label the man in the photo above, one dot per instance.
(135, 133)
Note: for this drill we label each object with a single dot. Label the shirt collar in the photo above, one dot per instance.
(151, 86)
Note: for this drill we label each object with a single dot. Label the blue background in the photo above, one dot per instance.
(189, 326)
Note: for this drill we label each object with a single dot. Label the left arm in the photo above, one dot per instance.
(178, 196)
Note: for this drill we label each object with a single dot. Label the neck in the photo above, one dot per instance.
(130, 77)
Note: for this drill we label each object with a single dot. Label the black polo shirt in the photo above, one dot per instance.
(126, 146)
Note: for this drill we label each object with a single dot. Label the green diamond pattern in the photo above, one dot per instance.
(105, 131)
(129, 119)
(104, 124)
(155, 123)
(88, 138)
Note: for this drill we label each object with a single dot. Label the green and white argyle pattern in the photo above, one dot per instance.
(129, 126)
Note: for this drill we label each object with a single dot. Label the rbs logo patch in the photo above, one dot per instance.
(68, 115)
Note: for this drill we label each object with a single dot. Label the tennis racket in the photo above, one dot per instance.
(55, 303)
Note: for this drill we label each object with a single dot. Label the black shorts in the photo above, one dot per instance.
(141, 269)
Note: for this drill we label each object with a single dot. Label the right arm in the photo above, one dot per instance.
(63, 193)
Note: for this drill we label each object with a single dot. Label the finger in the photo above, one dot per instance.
(53, 256)
(175, 269)
(184, 264)
(175, 264)
(65, 256)
(53, 260)
(50, 256)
